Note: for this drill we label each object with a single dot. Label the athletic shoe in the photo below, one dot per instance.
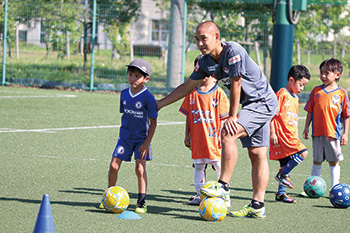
(249, 212)
(284, 180)
(216, 191)
(195, 201)
(193, 197)
(141, 209)
(284, 198)
(101, 206)
(228, 202)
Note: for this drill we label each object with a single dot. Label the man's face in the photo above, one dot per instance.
(206, 39)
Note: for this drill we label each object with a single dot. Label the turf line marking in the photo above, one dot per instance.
(52, 130)
(38, 96)
(92, 159)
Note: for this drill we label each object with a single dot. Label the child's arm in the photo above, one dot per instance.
(187, 134)
(345, 136)
(273, 136)
(307, 124)
(144, 148)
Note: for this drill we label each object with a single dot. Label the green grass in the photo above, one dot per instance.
(53, 155)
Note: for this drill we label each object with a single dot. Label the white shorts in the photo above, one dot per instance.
(326, 148)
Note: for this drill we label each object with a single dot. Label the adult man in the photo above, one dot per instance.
(231, 64)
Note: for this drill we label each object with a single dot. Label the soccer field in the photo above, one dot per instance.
(60, 143)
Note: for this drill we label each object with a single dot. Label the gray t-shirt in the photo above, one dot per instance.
(234, 62)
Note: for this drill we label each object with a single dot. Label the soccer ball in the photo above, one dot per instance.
(340, 196)
(213, 209)
(207, 185)
(315, 186)
(115, 199)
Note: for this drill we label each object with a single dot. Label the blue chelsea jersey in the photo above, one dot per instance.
(137, 110)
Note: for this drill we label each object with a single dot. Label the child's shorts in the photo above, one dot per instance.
(326, 148)
(255, 119)
(124, 150)
(284, 161)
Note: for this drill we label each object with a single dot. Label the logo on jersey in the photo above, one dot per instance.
(226, 70)
(211, 68)
(120, 150)
(225, 81)
(215, 102)
(124, 102)
(196, 68)
(192, 101)
(287, 103)
(138, 105)
(234, 59)
(335, 99)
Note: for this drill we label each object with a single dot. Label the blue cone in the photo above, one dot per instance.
(129, 215)
(44, 221)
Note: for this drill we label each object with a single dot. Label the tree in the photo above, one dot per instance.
(116, 16)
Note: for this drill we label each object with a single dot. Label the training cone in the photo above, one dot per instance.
(129, 215)
(44, 221)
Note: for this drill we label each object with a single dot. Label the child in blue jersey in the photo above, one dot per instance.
(139, 122)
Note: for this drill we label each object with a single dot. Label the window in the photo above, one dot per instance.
(22, 35)
(160, 30)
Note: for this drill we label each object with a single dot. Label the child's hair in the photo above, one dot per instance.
(332, 65)
(133, 69)
(298, 72)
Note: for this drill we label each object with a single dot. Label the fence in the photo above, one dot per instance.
(49, 44)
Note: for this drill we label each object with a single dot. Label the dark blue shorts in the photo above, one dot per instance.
(124, 150)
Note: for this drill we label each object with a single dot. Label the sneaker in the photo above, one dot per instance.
(249, 212)
(284, 180)
(284, 198)
(216, 191)
(195, 201)
(193, 197)
(141, 209)
(228, 202)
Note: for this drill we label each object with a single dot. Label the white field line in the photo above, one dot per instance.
(93, 159)
(51, 130)
(38, 96)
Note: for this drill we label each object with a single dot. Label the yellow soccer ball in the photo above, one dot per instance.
(213, 209)
(115, 199)
(208, 184)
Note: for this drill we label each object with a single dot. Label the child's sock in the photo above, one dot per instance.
(316, 170)
(281, 189)
(199, 176)
(295, 160)
(335, 175)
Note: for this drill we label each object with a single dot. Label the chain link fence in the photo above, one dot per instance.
(49, 43)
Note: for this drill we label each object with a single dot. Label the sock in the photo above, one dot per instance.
(335, 175)
(217, 166)
(226, 185)
(295, 161)
(141, 199)
(316, 170)
(257, 204)
(281, 189)
(199, 176)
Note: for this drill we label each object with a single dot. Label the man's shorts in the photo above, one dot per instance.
(124, 150)
(255, 119)
(326, 148)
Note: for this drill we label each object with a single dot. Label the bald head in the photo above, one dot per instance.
(209, 26)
